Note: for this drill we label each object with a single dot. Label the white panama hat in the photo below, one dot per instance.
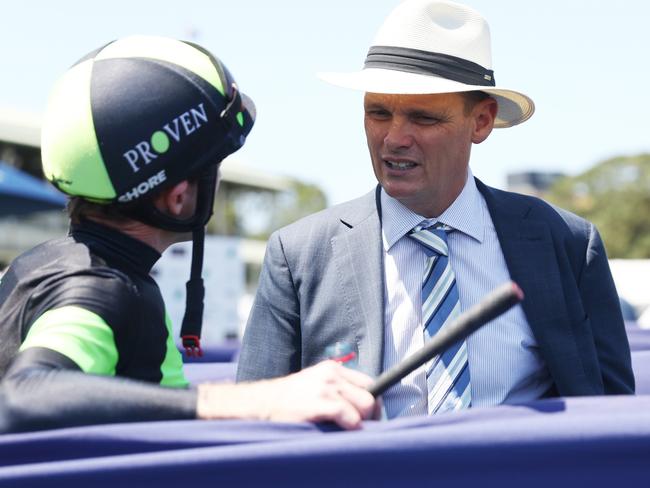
(434, 46)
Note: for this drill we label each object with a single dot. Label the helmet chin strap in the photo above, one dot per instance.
(195, 290)
(195, 293)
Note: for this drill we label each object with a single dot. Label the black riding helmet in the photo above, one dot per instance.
(138, 115)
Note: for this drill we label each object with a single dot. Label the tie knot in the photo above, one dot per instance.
(433, 238)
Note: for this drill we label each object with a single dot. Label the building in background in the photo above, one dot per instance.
(532, 182)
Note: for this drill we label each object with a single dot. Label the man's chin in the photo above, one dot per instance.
(398, 191)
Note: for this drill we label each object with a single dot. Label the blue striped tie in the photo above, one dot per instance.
(448, 374)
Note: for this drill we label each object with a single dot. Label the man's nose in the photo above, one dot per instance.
(399, 135)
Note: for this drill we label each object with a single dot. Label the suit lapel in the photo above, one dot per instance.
(357, 251)
(532, 262)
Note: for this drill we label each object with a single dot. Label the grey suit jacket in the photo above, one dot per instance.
(322, 282)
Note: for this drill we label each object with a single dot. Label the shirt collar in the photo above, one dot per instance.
(116, 247)
(465, 214)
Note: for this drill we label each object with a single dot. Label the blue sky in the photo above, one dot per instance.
(583, 63)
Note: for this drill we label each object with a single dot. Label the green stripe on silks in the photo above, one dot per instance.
(69, 148)
(168, 50)
(172, 366)
(80, 335)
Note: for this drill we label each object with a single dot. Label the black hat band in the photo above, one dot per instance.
(428, 63)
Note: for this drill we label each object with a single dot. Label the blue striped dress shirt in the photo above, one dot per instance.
(504, 361)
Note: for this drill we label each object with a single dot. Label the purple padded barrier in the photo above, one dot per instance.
(641, 367)
(639, 338)
(593, 441)
(205, 372)
(217, 362)
(222, 352)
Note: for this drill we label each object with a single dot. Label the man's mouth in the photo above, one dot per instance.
(399, 165)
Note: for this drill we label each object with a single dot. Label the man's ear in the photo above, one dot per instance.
(173, 200)
(484, 114)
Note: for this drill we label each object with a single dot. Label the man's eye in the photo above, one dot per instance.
(425, 119)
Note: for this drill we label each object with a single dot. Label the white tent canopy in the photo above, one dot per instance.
(632, 278)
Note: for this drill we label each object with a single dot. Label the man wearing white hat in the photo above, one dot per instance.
(386, 271)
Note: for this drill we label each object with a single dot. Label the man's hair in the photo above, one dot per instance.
(472, 98)
(79, 208)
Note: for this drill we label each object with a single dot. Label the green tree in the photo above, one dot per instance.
(254, 213)
(615, 196)
(299, 200)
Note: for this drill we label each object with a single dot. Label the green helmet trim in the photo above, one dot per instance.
(160, 142)
(163, 49)
(71, 157)
(172, 366)
(87, 151)
(80, 335)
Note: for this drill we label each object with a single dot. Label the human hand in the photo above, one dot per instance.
(324, 392)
